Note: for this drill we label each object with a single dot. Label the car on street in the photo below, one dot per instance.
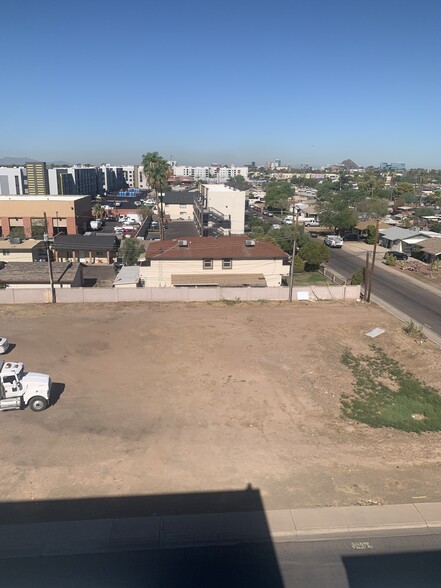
(399, 255)
(288, 221)
(334, 241)
(313, 234)
(268, 213)
(311, 223)
(351, 237)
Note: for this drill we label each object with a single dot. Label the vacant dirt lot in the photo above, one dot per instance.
(181, 398)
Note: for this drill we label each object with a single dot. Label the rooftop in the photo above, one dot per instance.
(211, 248)
(221, 188)
(432, 246)
(37, 273)
(42, 198)
(25, 245)
(93, 242)
(181, 197)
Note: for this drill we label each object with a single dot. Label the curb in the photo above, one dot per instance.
(180, 531)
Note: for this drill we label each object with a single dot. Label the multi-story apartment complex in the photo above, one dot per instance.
(214, 172)
(12, 180)
(219, 210)
(38, 181)
(134, 177)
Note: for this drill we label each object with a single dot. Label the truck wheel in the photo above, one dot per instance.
(38, 403)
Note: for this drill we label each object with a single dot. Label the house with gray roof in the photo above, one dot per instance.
(393, 238)
(36, 275)
(179, 205)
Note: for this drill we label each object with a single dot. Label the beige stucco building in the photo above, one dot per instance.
(65, 214)
(209, 262)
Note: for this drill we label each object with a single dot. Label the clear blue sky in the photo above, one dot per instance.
(234, 81)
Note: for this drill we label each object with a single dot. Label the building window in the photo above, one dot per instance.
(207, 264)
(227, 263)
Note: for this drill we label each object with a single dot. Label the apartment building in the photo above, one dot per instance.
(13, 180)
(38, 181)
(219, 210)
(214, 172)
(134, 177)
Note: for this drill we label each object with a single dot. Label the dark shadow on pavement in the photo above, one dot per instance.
(193, 564)
(403, 570)
(11, 347)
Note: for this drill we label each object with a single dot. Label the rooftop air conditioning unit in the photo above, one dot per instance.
(250, 243)
(182, 243)
(15, 241)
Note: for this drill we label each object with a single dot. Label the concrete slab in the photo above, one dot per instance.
(281, 524)
(313, 521)
(430, 512)
(397, 516)
(212, 529)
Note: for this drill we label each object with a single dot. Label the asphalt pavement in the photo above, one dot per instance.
(409, 297)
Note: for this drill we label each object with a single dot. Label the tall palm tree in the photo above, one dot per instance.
(157, 172)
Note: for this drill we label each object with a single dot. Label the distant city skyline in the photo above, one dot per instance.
(297, 81)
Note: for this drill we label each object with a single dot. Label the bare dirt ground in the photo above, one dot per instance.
(181, 398)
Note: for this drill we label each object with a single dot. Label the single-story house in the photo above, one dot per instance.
(393, 237)
(22, 250)
(361, 227)
(431, 249)
(92, 248)
(178, 205)
(36, 275)
(210, 262)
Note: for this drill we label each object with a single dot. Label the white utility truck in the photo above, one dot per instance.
(19, 388)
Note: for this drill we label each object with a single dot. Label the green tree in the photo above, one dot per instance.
(157, 172)
(131, 249)
(371, 231)
(435, 226)
(334, 213)
(404, 189)
(238, 182)
(97, 211)
(314, 254)
(278, 193)
(145, 211)
(370, 183)
(299, 265)
(284, 237)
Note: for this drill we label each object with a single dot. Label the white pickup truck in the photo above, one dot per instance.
(19, 388)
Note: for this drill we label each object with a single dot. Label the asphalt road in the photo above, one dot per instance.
(411, 299)
(377, 562)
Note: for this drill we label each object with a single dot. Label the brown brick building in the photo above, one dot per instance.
(24, 215)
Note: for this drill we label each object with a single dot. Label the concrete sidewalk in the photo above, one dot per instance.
(165, 532)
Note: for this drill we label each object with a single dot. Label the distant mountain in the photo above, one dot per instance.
(24, 160)
(349, 164)
(16, 160)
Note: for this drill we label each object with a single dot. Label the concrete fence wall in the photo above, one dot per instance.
(71, 295)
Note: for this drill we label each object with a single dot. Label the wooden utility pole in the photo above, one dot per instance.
(366, 274)
(371, 273)
(49, 259)
(293, 256)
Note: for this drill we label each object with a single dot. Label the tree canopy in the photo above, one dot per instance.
(238, 182)
(278, 193)
(130, 250)
(157, 171)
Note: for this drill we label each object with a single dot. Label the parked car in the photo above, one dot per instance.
(313, 234)
(268, 213)
(288, 221)
(118, 263)
(275, 226)
(4, 345)
(352, 237)
(334, 241)
(399, 255)
(311, 223)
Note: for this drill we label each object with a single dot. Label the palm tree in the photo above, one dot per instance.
(157, 172)
(97, 211)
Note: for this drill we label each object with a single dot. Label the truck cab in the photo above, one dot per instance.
(19, 388)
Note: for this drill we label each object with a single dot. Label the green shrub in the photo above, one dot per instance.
(414, 330)
(299, 265)
(358, 277)
(390, 260)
